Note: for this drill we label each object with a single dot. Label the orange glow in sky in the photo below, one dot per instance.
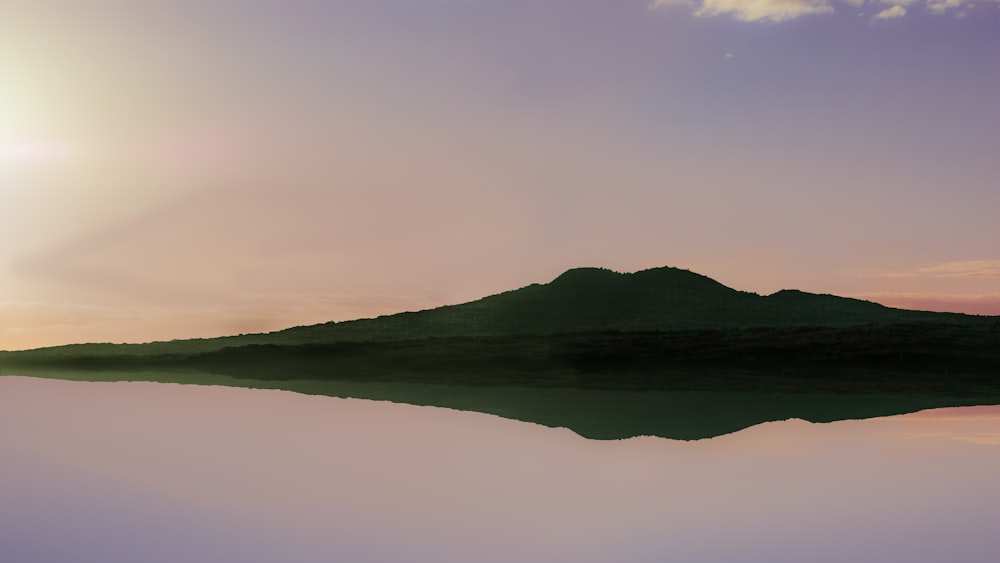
(248, 166)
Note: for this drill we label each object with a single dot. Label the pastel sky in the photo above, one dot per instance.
(208, 167)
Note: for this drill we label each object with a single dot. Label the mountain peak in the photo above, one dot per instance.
(574, 275)
(659, 274)
(593, 300)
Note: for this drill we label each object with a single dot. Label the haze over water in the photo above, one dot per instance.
(128, 472)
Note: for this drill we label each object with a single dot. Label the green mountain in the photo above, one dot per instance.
(584, 300)
(593, 299)
(663, 328)
(664, 351)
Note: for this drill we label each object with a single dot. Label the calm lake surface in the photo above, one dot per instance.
(130, 472)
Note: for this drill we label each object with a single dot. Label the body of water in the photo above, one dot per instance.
(151, 472)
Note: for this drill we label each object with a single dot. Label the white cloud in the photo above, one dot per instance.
(754, 10)
(942, 6)
(896, 11)
(784, 10)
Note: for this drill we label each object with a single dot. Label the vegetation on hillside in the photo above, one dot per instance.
(657, 329)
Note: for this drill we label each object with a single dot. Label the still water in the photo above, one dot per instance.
(129, 472)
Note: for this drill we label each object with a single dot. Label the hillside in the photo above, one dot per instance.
(583, 300)
(594, 300)
(659, 329)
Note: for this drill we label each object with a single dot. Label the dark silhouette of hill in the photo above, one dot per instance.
(582, 300)
(594, 300)
(665, 352)
(594, 328)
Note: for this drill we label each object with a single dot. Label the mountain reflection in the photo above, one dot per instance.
(592, 413)
(123, 472)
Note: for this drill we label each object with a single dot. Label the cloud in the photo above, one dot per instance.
(753, 10)
(896, 11)
(958, 269)
(964, 269)
(942, 6)
(784, 10)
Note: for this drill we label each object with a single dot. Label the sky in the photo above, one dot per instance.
(200, 168)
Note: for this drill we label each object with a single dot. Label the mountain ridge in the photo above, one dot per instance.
(589, 336)
(585, 299)
(598, 299)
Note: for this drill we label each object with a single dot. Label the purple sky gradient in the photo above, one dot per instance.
(177, 169)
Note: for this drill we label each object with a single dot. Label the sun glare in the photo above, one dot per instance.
(32, 152)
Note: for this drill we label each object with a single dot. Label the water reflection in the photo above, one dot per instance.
(606, 414)
(157, 472)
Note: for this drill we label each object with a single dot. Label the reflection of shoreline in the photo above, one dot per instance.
(592, 413)
(985, 411)
(918, 359)
(164, 473)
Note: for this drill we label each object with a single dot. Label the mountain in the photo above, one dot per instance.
(581, 300)
(591, 327)
(594, 299)
(663, 351)
(597, 299)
